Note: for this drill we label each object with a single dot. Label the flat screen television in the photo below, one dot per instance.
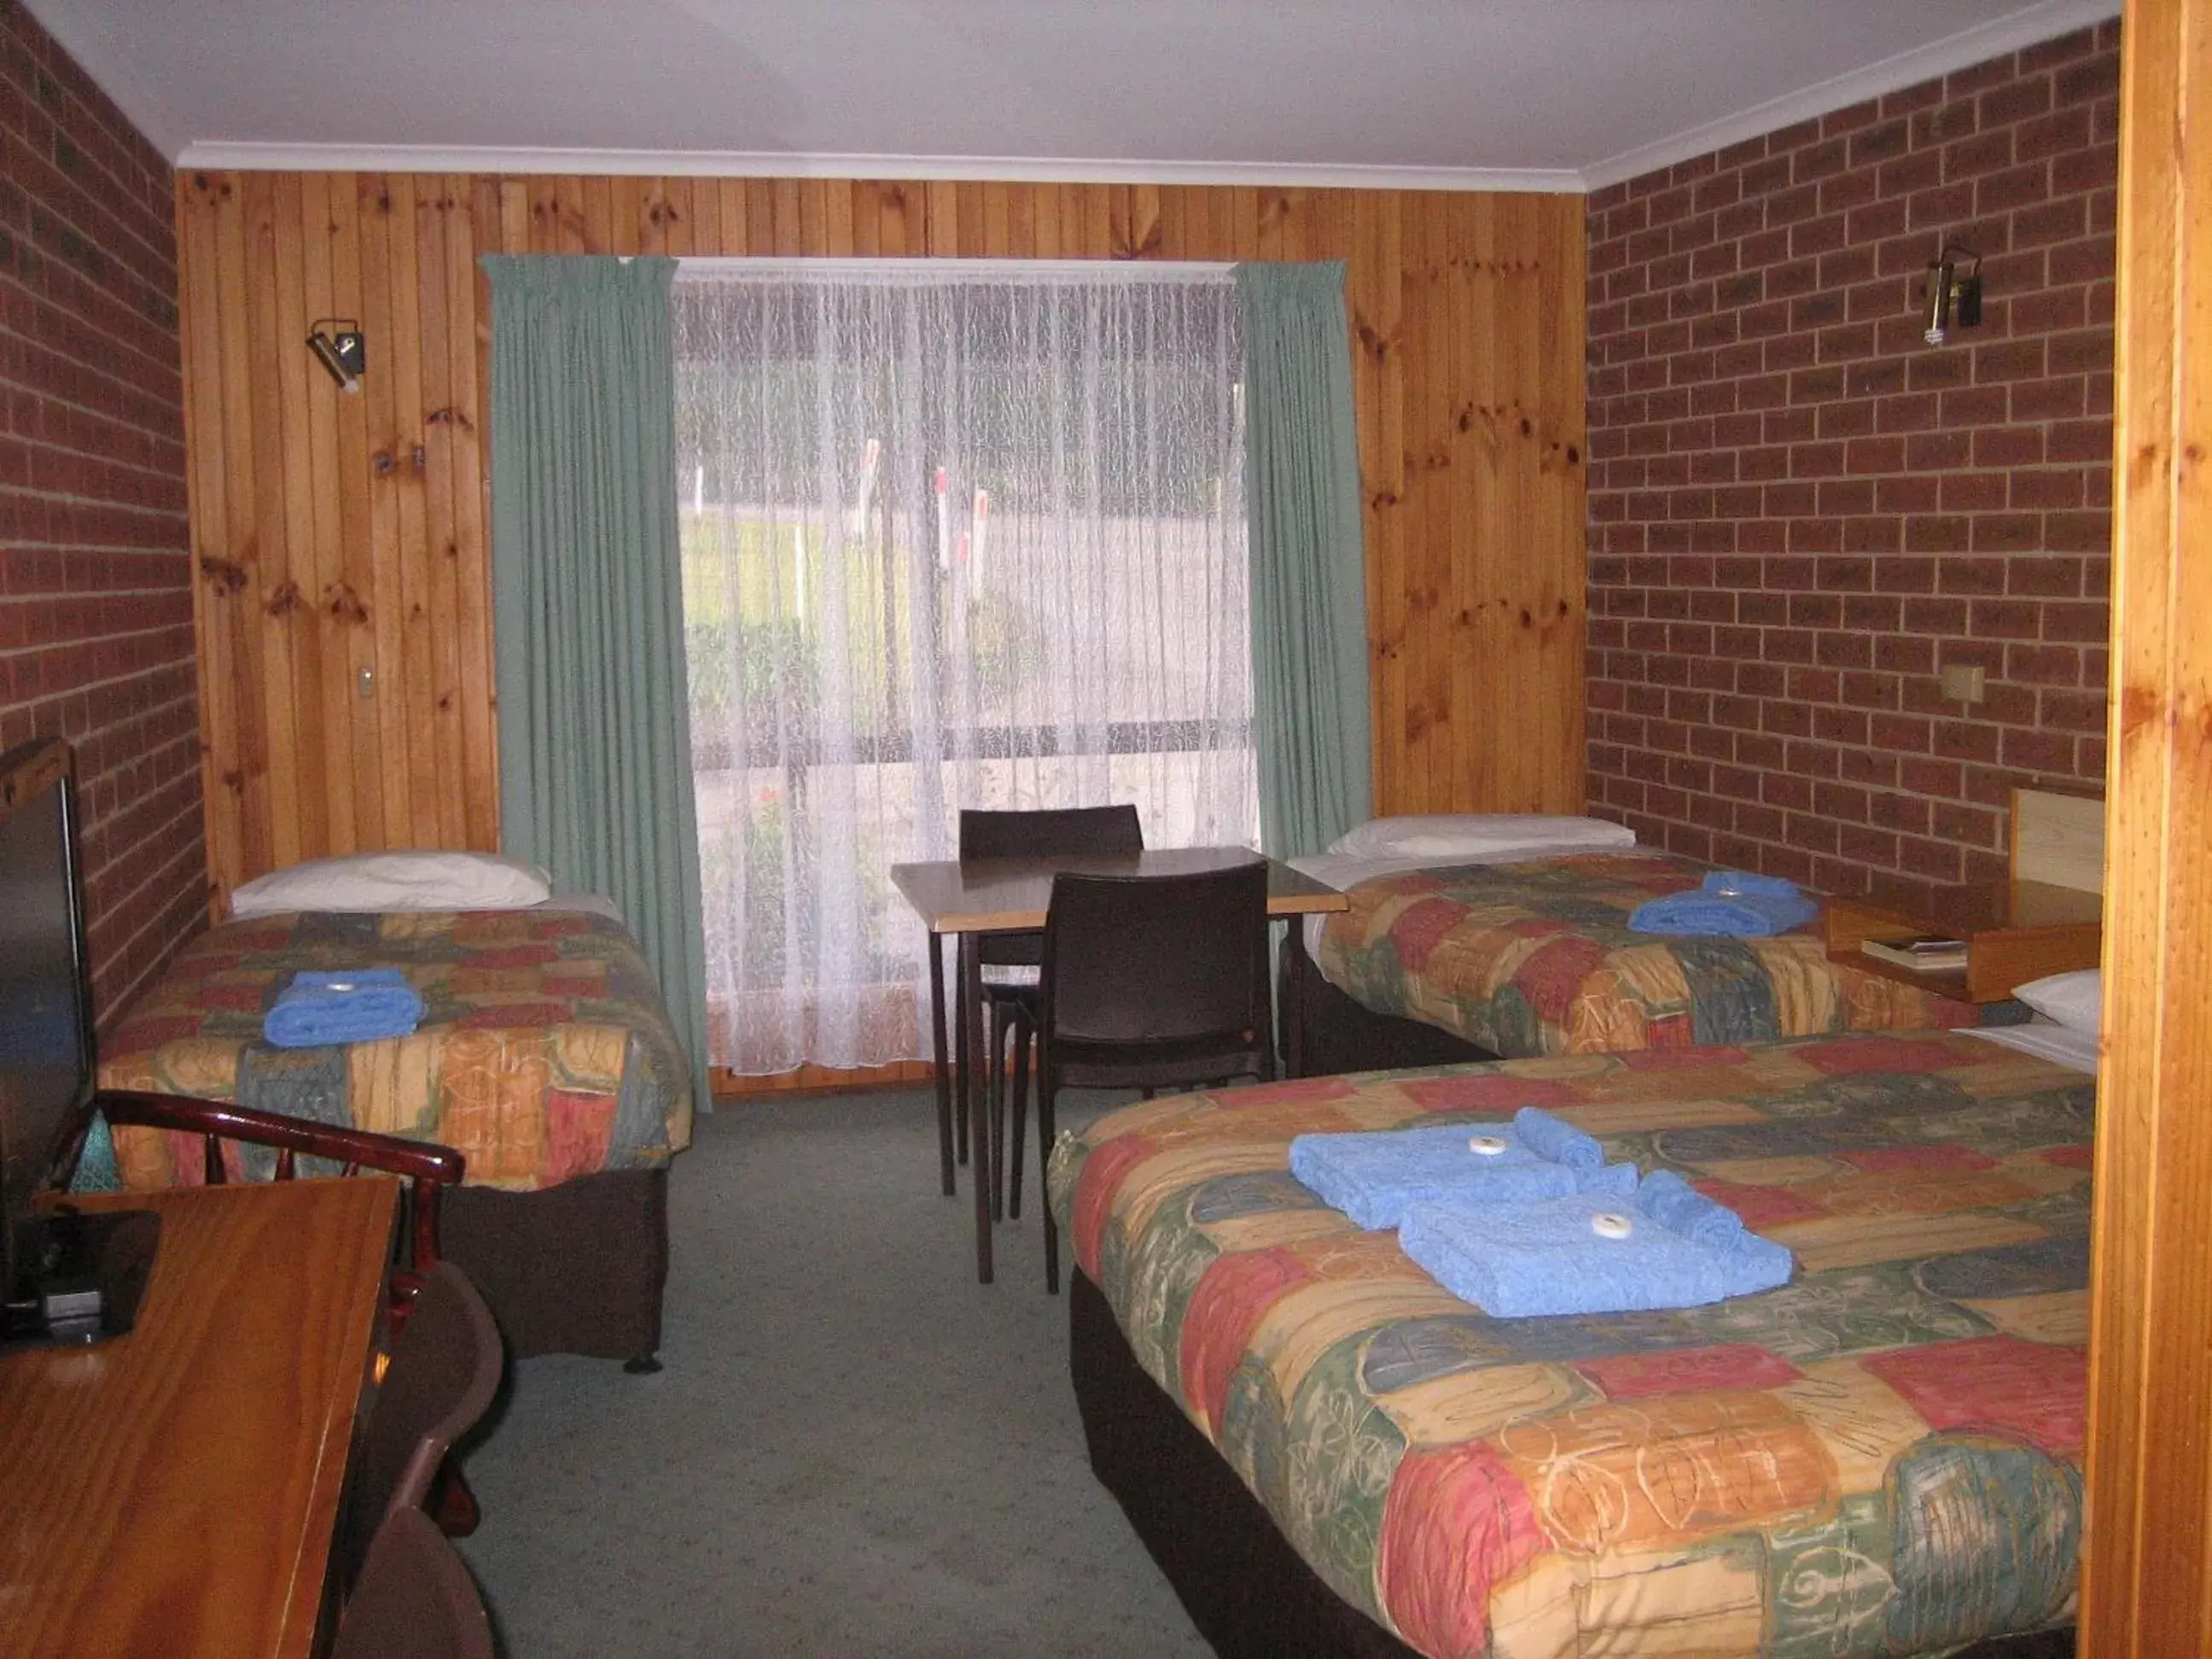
(57, 1270)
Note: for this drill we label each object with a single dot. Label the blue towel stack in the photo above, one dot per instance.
(1731, 903)
(347, 1006)
(1561, 1255)
(1373, 1177)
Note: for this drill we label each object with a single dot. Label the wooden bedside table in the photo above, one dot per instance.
(2014, 932)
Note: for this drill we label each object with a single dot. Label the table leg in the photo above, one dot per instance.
(968, 1003)
(937, 1050)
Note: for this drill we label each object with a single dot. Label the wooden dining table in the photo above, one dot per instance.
(1011, 895)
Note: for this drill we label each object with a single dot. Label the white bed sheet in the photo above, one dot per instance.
(597, 904)
(2074, 1049)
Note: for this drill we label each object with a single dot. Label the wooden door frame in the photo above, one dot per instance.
(2147, 1586)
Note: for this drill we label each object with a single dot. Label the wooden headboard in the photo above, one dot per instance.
(2058, 839)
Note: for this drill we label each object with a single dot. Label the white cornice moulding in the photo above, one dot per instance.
(2029, 26)
(222, 156)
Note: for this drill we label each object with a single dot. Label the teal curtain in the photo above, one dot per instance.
(588, 602)
(1309, 557)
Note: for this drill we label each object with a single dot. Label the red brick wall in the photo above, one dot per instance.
(95, 596)
(1799, 512)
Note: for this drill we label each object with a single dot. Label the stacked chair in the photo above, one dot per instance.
(414, 1599)
(408, 1594)
(1011, 961)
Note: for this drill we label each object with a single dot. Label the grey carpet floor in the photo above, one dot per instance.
(855, 1448)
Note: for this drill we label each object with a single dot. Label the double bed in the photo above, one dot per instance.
(544, 1056)
(1330, 1454)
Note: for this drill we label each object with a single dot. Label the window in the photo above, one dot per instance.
(954, 534)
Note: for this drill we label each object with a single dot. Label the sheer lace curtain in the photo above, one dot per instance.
(954, 534)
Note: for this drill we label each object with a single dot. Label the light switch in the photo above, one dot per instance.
(366, 678)
(1963, 682)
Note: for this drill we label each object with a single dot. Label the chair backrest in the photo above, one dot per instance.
(445, 1368)
(990, 834)
(414, 1599)
(1041, 833)
(429, 1169)
(1145, 959)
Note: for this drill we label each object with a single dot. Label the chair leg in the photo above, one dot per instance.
(1047, 1086)
(1019, 1109)
(994, 1089)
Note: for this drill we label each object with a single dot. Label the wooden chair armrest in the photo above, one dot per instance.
(427, 1166)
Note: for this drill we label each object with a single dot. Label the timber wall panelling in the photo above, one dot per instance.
(340, 542)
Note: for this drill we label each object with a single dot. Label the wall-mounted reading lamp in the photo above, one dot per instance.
(343, 350)
(1954, 298)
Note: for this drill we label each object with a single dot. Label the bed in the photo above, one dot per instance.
(544, 1057)
(1518, 953)
(1330, 1455)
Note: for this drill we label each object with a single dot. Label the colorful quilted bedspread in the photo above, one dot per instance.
(1881, 1457)
(544, 1051)
(1536, 958)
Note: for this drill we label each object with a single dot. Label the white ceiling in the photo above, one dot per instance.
(1537, 94)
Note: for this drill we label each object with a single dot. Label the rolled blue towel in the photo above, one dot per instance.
(1550, 1137)
(1734, 911)
(356, 1006)
(1671, 1201)
(1373, 1177)
(1521, 1261)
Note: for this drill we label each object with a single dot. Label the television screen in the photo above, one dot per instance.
(45, 1029)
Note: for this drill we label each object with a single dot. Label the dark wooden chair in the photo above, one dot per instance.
(1151, 982)
(428, 1169)
(414, 1599)
(445, 1368)
(1010, 999)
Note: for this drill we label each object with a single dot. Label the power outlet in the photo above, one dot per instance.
(1963, 682)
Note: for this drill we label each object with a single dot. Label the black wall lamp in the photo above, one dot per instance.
(340, 347)
(1954, 297)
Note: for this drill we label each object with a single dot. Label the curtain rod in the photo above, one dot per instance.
(709, 269)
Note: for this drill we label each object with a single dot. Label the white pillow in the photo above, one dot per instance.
(1472, 834)
(395, 881)
(2072, 999)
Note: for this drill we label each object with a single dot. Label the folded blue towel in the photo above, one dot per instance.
(1519, 1261)
(1674, 1203)
(1732, 903)
(359, 1005)
(1373, 1177)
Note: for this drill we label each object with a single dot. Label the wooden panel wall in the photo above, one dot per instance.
(335, 534)
(2147, 1589)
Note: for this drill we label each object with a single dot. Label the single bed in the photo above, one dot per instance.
(1516, 954)
(1330, 1455)
(1536, 957)
(544, 1057)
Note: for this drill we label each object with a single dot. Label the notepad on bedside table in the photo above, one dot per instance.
(1926, 953)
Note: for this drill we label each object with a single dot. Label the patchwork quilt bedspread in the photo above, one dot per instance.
(1537, 958)
(544, 1051)
(1881, 1457)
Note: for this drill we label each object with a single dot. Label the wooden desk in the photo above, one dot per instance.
(2014, 931)
(1010, 896)
(174, 1492)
